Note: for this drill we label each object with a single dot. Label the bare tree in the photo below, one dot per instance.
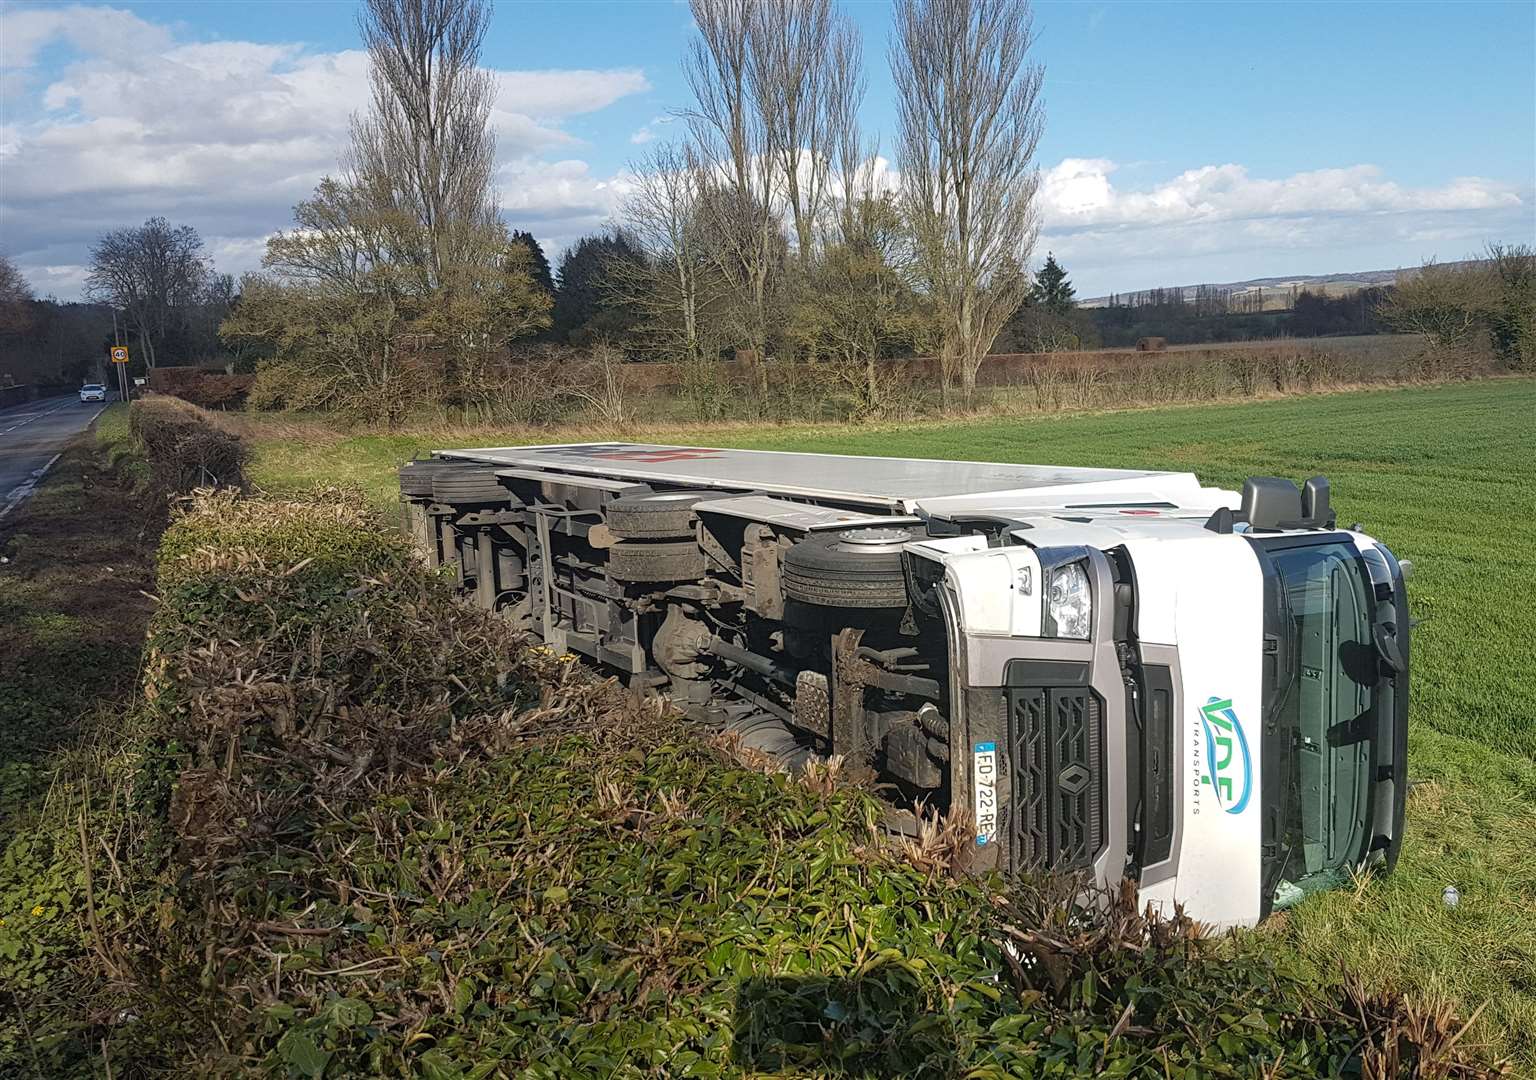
(853, 156)
(400, 284)
(1448, 305)
(353, 328)
(1468, 311)
(793, 73)
(673, 284)
(210, 308)
(739, 199)
(155, 273)
(331, 308)
(1513, 325)
(426, 139)
(15, 299)
(597, 382)
(776, 83)
(856, 310)
(970, 116)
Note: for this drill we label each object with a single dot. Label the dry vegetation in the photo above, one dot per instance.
(612, 397)
(184, 450)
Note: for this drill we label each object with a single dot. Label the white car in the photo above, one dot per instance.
(93, 392)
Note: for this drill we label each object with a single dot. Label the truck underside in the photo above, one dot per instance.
(786, 622)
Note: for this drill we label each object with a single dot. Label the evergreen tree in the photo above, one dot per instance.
(538, 263)
(1052, 290)
(586, 302)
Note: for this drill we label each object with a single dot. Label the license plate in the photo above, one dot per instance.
(984, 765)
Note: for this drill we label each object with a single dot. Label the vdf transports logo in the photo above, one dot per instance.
(1229, 768)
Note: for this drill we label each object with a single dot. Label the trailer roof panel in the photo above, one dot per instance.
(894, 482)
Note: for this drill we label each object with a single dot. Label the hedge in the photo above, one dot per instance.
(183, 448)
(366, 831)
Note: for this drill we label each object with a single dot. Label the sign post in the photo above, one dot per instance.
(119, 357)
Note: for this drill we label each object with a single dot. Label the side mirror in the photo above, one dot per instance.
(1270, 502)
(1315, 510)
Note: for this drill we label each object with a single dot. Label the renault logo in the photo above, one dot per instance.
(1073, 779)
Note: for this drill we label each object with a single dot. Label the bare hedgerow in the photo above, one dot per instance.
(1451, 307)
(183, 448)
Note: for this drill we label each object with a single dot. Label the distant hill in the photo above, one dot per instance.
(1281, 287)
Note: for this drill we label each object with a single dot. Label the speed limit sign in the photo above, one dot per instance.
(119, 354)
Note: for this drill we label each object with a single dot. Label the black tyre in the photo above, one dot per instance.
(858, 568)
(416, 478)
(662, 515)
(655, 561)
(468, 484)
(769, 736)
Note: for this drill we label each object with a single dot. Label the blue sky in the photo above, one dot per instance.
(1185, 142)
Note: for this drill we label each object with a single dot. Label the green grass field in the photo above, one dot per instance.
(1446, 476)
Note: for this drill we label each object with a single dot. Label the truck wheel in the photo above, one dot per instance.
(858, 568)
(468, 485)
(654, 561)
(769, 736)
(663, 515)
(416, 478)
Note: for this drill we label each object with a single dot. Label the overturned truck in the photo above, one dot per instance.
(1117, 672)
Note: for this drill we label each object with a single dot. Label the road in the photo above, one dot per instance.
(31, 438)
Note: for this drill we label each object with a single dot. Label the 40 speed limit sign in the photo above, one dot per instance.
(119, 354)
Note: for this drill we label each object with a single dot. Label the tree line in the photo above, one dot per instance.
(1212, 315)
(766, 234)
(769, 233)
(151, 287)
(1484, 304)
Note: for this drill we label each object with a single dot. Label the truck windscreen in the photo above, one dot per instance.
(1327, 709)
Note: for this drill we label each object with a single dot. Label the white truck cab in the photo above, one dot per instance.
(1113, 672)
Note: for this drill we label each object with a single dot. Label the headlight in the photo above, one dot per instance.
(1069, 603)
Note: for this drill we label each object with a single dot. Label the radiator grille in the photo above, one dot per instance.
(1057, 739)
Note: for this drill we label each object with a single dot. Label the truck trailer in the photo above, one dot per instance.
(1112, 672)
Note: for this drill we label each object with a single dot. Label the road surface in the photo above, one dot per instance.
(31, 438)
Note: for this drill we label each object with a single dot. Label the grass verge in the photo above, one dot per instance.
(1447, 477)
(73, 609)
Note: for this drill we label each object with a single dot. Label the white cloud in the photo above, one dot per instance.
(1079, 193)
(566, 93)
(558, 201)
(1218, 223)
(647, 132)
(225, 135)
(111, 33)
